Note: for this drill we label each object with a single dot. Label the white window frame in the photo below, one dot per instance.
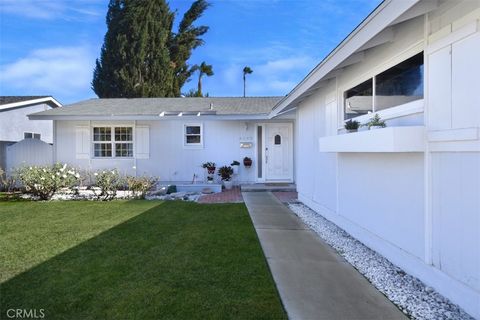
(33, 135)
(112, 141)
(412, 107)
(184, 135)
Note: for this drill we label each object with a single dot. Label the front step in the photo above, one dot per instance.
(274, 187)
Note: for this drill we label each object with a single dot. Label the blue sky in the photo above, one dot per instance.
(50, 46)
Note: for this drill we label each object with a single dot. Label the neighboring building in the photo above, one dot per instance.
(410, 191)
(14, 123)
(171, 137)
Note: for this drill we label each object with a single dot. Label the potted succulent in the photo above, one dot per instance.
(210, 167)
(235, 164)
(375, 122)
(247, 162)
(352, 125)
(225, 173)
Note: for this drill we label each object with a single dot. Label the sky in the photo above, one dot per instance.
(49, 47)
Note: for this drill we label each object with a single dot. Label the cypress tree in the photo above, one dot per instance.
(141, 55)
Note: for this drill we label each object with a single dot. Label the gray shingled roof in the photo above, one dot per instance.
(13, 99)
(155, 106)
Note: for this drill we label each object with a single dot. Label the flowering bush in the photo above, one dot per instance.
(44, 181)
(107, 183)
(140, 185)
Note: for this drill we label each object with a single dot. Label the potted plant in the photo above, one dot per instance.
(247, 162)
(225, 173)
(210, 167)
(376, 122)
(235, 164)
(352, 125)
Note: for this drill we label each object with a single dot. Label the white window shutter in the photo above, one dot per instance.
(142, 142)
(82, 142)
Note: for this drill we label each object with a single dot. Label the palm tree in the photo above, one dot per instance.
(246, 70)
(203, 69)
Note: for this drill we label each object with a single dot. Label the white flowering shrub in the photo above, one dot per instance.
(139, 186)
(106, 184)
(43, 181)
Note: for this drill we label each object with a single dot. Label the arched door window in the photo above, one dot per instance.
(277, 140)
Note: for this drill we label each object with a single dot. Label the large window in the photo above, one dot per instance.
(193, 135)
(396, 86)
(113, 141)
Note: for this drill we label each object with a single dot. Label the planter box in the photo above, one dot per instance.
(390, 139)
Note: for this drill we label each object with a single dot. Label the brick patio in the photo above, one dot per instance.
(226, 196)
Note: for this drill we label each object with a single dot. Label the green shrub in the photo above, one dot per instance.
(44, 181)
(140, 185)
(226, 173)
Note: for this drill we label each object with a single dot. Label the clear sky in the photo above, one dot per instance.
(49, 47)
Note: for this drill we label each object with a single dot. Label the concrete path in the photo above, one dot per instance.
(314, 282)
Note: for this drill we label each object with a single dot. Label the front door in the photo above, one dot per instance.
(278, 152)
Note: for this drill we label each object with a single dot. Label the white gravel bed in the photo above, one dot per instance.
(413, 297)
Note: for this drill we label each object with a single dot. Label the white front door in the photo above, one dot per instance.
(278, 152)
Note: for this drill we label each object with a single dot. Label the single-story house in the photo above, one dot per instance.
(410, 191)
(171, 138)
(14, 123)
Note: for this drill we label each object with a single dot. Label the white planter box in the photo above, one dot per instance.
(390, 139)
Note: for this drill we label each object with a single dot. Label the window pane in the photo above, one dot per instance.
(36, 136)
(193, 139)
(123, 150)
(278, 139)
(102, 149)
(27, 135)
(193, 129)
(123, 134)
(102, 134)
(401, 84)
(359, 100)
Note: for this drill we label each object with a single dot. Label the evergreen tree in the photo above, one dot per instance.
(141, 55)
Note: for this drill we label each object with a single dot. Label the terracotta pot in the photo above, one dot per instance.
(211, 170)
(247, 163)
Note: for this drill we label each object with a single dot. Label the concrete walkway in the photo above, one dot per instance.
(314, 282)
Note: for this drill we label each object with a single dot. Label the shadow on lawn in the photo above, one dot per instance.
(177, 260)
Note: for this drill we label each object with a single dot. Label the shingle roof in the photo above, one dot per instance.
(155, 106)
(13, 99)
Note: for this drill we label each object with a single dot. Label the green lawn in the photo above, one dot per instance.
(133, 260)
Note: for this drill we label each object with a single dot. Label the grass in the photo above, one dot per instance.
(133, 260)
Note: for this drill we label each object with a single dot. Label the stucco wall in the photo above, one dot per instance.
(169, 159)
(14, 122)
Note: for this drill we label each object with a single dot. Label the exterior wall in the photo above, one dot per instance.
(14, 122)
(169, 159)
(421, 210)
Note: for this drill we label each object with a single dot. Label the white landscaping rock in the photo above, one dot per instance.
(412, 296)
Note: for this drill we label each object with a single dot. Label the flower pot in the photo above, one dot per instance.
(228, 184)
(211, 170)
(352, 130)
(235, 169)
(375, 127)
(247, 163)
(210, 181)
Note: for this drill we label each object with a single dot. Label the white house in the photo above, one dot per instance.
(410, 191)
(171, 137)
(14, 123)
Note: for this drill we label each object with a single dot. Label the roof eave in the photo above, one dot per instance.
(375, 22)
(48, 100)
(240, 117)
